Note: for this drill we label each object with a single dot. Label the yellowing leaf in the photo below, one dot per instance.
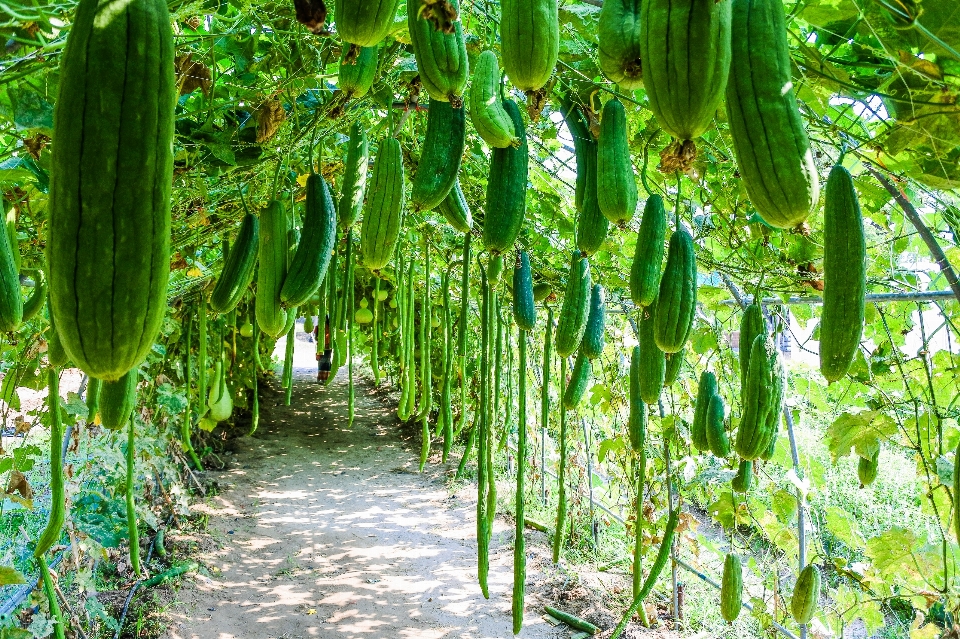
(194, 272)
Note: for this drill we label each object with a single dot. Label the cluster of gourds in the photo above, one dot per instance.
(108, 238)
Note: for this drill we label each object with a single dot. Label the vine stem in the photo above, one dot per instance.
(925, 234)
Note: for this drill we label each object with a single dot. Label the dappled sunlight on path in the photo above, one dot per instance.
(320, 531)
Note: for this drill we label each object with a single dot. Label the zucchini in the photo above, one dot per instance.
(489, 118)
(579, 380)
(117, 400)
(593, 336)
(354, 187)
(239, 266)
(575, 309)
(441, 54)
(530, 40)
(524, 308)
(618, 34)
(381, 213)
(616, 185)
(271, 317)
(365, 22)
(648, 254)
(310, 262)
(653, 362)
(357, 70)
(706, 390)
(456, 211)
(677, 301)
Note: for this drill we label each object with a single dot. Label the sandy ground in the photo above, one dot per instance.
(325, 531)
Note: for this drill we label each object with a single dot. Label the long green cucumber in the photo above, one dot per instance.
(593, 336)
(561, 522)
(648, 254)
(685, 48)
(38, 298)
(616, 184)
(653, 363)
(530, 40)
(272, 271)
(844, 276)
(677, 301)
(354, 187)
(507, 189)
(239, 267)
(489, 117)
(773, 153)
(133, 531)
(117, 400)
(483, 440)
(456, 211)
(440, 53)
(381, 213)
(464, 330)
(698, 428)
(575, 309)
(519, 544)
(365, 22)
(108, 238)
(357, 70)
(51, 533)
(752, 324)
(524, 308)
(618, 34)
(440, 155)
(317, 239)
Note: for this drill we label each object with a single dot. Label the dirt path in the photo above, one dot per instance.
(321, 531)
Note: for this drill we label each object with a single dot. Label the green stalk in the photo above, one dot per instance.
(519, 545)
(411, 369)
(132, 529)
(446, 409)
(561, 474)
(638, 518)
(51, 593)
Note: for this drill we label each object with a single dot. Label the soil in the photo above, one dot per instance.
(320, 529)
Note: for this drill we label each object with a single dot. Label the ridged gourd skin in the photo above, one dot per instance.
(616, 184)
(381, 213)
(272, 271)
(647, 264)
(844, 276)
(593, 336)
(717, 439)
(38, 297)
(317, 239)
(440, 155)
(355, 77)
(806, 595)
(744, 478)
(771, 145)
(618, 32)
(441, 57)
(592, 225)
(117, 400)
(354, 187)
(685, 48)
(530, 41)
(575, 308)
(752, 324)
(674, 362)
(584, 146)
(238, 268)
(867, 468)
(731, 588)
(11, 302)
(489, 117)
(637, 424)
(698, 428)
(494, 269)
(762, 402)
(524, 307)
(677, 301)
(456, 211)
(653, 362)
(507, 189)
(108, 240)
(579, 380)
(364, 22)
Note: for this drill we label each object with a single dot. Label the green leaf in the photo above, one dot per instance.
(610, 447)
(11, 576)
(892, 550)
(31, 111)
(722, 509)
(861, 432)
(784, 505)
